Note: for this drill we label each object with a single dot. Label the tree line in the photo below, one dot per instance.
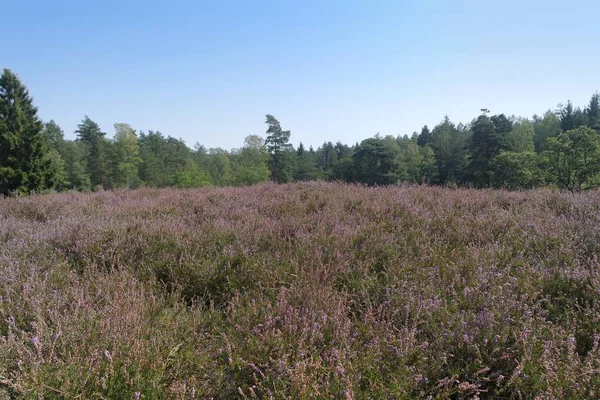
(560, 148)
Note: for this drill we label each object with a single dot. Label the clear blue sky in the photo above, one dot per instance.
(328, 70)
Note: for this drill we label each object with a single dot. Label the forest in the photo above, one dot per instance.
(559, 148)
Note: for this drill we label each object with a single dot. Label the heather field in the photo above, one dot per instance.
(300, 291)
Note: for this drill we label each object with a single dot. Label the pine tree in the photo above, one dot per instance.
(23, 160)
(488, 140)
(92, 137)
(570, 117)
(277, 142)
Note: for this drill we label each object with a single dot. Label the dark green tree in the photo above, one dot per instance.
(570, 117)
(376, 162)
(53, 134)
(57, 177)
(327, 155)
(306, 165)
(448, 143)
(74, 156)
(488, 139)
(24, 164)
(280, 151)
(592, 113)
(424, 138)
(96, 151)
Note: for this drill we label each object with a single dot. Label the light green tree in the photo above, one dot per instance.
(125, 157)
(250, 163)
(520, 139)
(190, 176)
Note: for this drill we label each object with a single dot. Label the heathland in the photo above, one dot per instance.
(305, 290)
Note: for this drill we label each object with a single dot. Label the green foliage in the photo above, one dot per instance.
(24, 163)
(517, 170)
(74, 152)
(449, 146)
(592, 113)
(124, 157)
(56, 173)
(191, 176)
(520, 138)
(161, 158)
(570, 117)
(306, 165)
(573, 159)
(250, 163)
(218, 166)
(425, 137)
(545, 127)
(280, 150)
(488, 139)
(376, 162)
(96, 152)
(493, 151)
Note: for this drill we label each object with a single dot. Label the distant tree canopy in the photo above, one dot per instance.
(559, 149)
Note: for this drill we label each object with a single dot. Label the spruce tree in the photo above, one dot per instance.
(23, 161)
(592, 113)
(95, 143)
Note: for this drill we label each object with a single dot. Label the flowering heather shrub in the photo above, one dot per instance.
(312, 290)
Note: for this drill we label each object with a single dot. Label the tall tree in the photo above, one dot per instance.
(424, 137)
(448, 143)
(277, 142)
(592, 113)
(96, 145)
(57, 177)
(489, 138)
(74, 156)
(24, 165)
(125, 157)
(570, 117)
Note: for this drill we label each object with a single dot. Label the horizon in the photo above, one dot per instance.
(327, 72)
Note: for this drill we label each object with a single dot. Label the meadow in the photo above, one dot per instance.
(300, 291)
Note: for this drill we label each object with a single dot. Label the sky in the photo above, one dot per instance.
(328, 70)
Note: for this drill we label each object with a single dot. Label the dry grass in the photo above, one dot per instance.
(314, 290)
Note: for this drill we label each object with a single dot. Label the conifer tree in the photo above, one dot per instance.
(95, 143)
(23, 161)
(277, 142)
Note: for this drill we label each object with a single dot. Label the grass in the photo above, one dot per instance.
(300, 291)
